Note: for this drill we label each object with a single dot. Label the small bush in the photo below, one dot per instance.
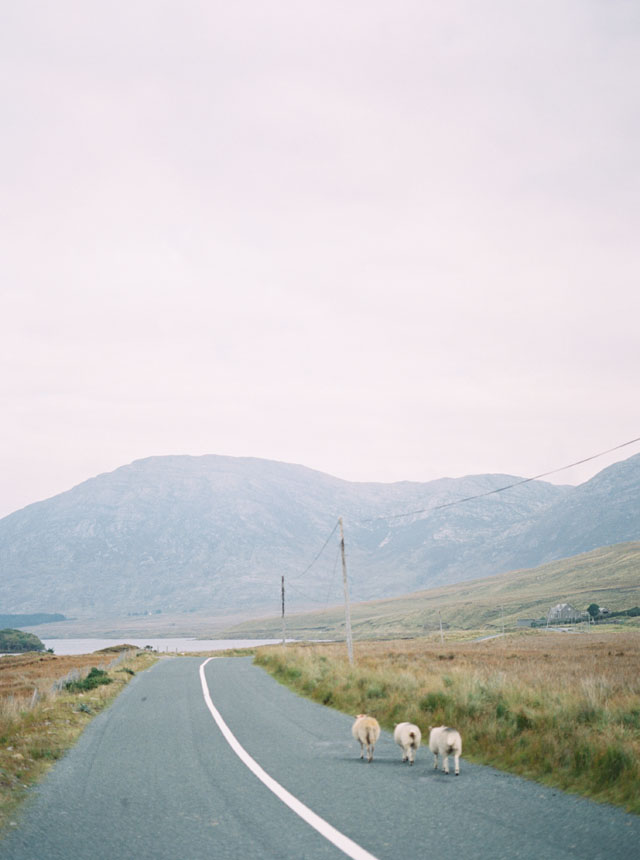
(94, 679)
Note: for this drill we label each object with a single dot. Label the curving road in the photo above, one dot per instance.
(154, 778)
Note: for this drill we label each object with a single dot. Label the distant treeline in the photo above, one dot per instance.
(634, 612)
(30, 620)
(631, 613)
(16, 641)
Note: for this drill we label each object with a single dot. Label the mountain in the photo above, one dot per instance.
(189, 534)
(602, 511)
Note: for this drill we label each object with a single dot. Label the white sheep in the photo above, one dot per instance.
(366, 730)
(409, 737)
(445, 741)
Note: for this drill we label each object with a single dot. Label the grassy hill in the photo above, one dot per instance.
(609, 576)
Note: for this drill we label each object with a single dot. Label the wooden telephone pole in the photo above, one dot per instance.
(347, 608)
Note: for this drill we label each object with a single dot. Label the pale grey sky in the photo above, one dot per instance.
(386, 240)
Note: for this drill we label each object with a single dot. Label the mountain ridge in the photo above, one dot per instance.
(180, 533)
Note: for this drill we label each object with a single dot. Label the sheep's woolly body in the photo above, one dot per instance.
(409, 737)
(366, 730)
(445, 741)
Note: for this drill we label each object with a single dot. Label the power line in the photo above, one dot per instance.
(501, 489)
(308, 568)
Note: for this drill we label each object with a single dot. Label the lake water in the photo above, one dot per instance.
(170, 646)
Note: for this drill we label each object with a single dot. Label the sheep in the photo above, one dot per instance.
(445, 741)
(409, 737)
(366, 730)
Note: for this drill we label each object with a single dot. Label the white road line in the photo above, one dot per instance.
(348, 846)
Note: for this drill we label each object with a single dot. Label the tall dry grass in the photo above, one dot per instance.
(40, 718)
(560, 708)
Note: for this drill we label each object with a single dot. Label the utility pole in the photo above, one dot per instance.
(284, 638)
(441, 633)
(347, 608)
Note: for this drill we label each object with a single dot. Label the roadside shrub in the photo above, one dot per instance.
(95, 678)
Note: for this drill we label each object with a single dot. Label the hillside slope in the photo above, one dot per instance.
(185, 534)
(609, 576)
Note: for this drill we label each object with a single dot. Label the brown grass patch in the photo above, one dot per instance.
(21, 674)
(40, 719)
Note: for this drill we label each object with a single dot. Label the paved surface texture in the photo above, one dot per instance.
(152, 778)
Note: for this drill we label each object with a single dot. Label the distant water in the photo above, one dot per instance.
(170, 646)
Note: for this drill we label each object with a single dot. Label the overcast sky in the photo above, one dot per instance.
(386, 240)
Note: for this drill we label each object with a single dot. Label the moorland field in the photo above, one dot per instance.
(45, 703)
(559, 707)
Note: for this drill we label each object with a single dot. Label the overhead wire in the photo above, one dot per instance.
(308, 568)
(499, 489)
(437, 508)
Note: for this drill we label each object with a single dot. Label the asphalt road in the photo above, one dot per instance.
(154, 778)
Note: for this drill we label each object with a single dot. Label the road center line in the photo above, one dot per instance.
(346, 845)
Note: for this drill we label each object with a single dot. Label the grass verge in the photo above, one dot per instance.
(45, 704)
(563, 709)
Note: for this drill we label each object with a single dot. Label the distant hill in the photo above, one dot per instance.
(186, 534)
(604, 510)
(608, 576)
(30, 620)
